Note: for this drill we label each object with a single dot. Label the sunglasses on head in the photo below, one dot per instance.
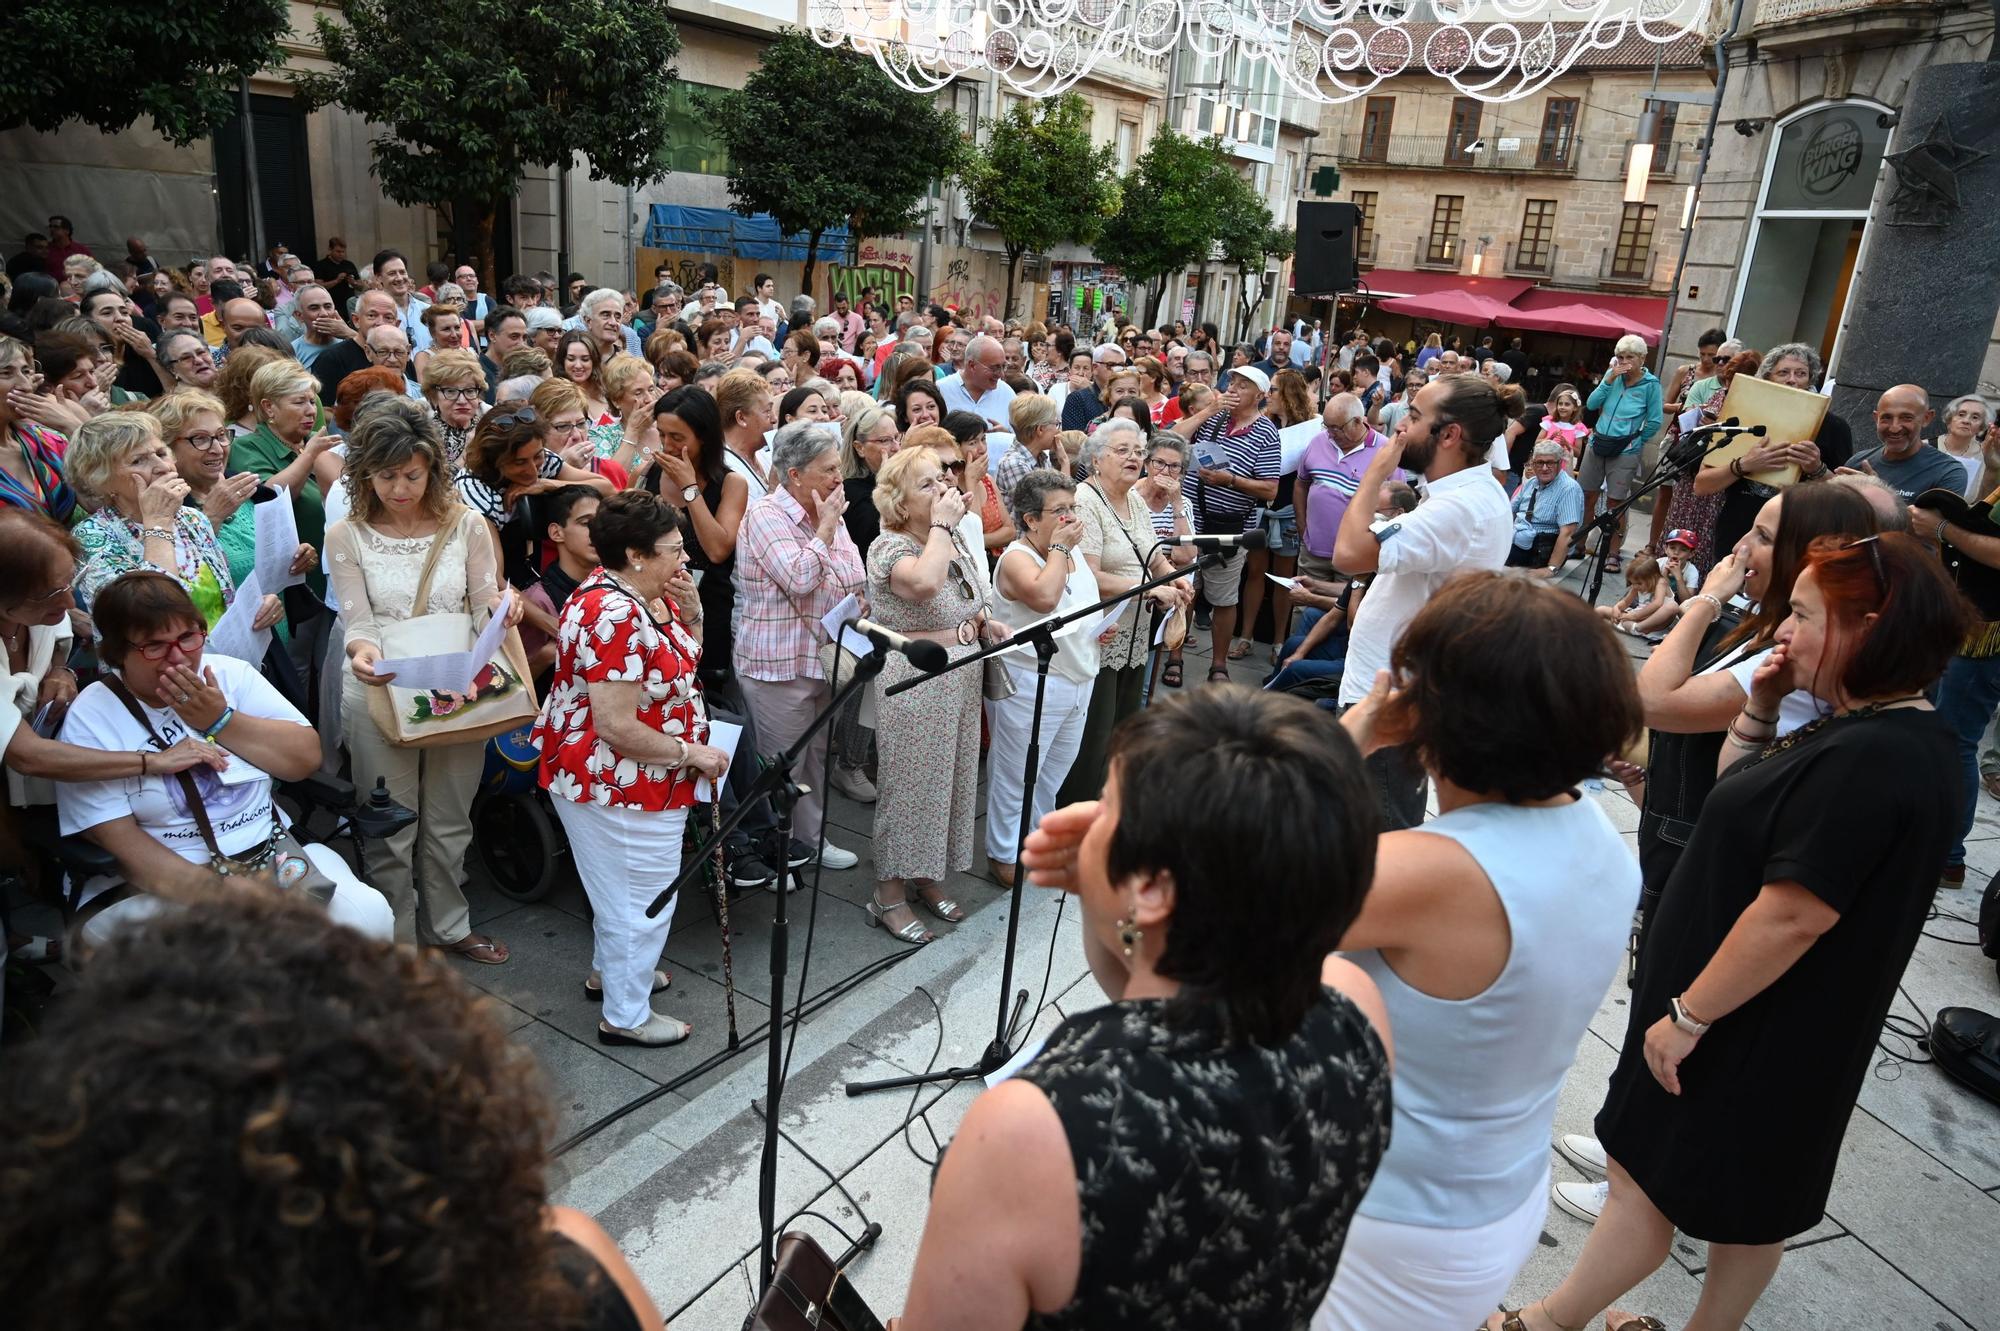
(1875, 551)
(524, 416)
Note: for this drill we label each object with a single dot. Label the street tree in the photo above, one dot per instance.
(109, 63)
(467, 95)
(1169, 208)
(1040, 183)
(860, 152)
(1248, 238)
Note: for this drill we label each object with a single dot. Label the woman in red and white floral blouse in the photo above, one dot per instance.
(621, 738)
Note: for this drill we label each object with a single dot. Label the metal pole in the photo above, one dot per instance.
(250, 173)
(1700, 170)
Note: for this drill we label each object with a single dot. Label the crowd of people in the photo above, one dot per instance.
(665, 495)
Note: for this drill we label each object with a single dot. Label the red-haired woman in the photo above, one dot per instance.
(1776, 948)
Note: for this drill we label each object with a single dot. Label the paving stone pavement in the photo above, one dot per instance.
(671, 1167)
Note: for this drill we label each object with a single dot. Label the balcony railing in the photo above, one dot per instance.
(1668, 157)
(1445, 257)
(1773, 12)
(1637, 272)
(1442, 152)
(1531, 260)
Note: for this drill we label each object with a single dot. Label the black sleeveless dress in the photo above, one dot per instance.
(1216, 1177)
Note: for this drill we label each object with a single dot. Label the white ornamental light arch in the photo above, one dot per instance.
(1494, 50)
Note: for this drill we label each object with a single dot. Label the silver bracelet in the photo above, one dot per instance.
(146, 533)
(1704, 596)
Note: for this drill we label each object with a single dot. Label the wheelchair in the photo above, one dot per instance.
(514, 830)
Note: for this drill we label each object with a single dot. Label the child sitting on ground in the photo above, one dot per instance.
(1647, 606)
(1676, 552)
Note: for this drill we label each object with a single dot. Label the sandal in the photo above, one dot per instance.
(1991, 780)
(1216, 673)
(1171, 677)
(1239, 649)
(940, 905)
(1614, 565)
(1632, 1323)
(1511, 1320)
(913, 933)
(478, 947)
(593, 988)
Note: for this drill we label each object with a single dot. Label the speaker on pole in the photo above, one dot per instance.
(1323, 264)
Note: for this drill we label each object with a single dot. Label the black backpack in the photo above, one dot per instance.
(1989, 921)
(1965, 1043)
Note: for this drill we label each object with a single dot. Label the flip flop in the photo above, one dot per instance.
(478, 947)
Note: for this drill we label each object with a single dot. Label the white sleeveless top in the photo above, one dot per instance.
(1476, 1079)
(1076, 653)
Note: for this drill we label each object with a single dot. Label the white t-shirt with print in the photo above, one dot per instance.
(238, 799)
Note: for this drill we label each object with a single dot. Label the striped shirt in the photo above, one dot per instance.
(1331, 477)
(787, 579)
(1255, 453)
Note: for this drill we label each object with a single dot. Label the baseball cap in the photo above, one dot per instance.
(1681, 536)
(1255, 376)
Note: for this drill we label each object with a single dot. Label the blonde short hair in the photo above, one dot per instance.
(99, 449)
(893, 484)
(175, 411)
(554, 395)
(238, 375)
(620, 373)
(1029, 412)
(281, 378)
(739, 392)
(454, 367)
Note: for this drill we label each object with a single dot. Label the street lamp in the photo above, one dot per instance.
(1640, 164)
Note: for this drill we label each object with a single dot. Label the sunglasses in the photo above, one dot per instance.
(960, 581)
(524, 416)
(1875, 551)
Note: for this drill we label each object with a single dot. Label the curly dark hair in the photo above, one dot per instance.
(246, 1118)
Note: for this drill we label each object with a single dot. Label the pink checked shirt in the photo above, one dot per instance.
(787, 579)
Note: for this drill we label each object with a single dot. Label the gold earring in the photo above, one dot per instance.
(1129, 936)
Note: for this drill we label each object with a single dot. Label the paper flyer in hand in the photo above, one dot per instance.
(835, 626)
(721, 735)
(451, 672)
(232, 634)
(277, 542)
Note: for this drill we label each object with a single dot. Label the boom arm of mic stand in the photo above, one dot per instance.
(1664, 471)
(1208, 559)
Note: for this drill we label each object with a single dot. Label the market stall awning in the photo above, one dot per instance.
(1452, 307)
(1644, 315)
(1417, 282)
(1577, 320)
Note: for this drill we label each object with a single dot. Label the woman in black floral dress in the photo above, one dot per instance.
(1190, 1154)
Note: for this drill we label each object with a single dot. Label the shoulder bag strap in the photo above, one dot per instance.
(188, 787)
(438, 542)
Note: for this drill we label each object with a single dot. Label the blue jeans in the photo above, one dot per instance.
(1966, 698)
(1327, 659)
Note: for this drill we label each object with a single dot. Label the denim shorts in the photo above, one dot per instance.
(1281, 530)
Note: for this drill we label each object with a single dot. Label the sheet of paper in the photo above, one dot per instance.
(721, 735)
(1160, 633)
(277, 542)
(451, 672)
(1289, 584)
(1690, 419)
(1292, 441)
(835, 625)
(232, 634)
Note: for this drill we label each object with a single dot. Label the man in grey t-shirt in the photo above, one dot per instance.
(1902, 459)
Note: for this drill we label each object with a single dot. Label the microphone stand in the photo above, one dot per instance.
(775, 782)
(1666, 470)
(1043, 636)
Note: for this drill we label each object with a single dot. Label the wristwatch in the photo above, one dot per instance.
(690, 493)
(1684, 1020)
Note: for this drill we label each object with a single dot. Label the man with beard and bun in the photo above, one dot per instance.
(1464, 523)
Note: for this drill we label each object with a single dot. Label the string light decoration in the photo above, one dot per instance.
(1494, 50)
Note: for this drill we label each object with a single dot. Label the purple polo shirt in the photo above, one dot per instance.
(1330, 481)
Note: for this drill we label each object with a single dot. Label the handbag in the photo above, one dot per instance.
(281, 857)
(503, 693)
(998, 684)
(809, 1293)
(1606, 445)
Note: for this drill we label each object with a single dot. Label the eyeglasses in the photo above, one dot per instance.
(1166, 468)
(192, 358)
(570, 427)
(1066, 511)
(462, 395)
(524, 416)
(1875, 550)
(204, 443)
(189, 643)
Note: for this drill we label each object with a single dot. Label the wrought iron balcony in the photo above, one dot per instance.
(1489, 152)
(1531, 260)
(1636, 271)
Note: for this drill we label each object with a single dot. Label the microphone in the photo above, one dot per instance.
(1249, 540)
(1731, 426)
(923, 653)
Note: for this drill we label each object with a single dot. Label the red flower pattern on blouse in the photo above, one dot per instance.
(606, 635)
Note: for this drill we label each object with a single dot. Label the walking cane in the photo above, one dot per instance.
(722, 915)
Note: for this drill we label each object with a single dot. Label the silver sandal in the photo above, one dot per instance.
(913, 933)
(945, 908)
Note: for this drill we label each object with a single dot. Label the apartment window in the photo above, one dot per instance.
(1669, 113)
(691, 145)
(1538, 231)
(1128, 136)
(1364, 229)
(1635, 241)
(1464, 130)
(1375, 121)
(1447, 216)
(1558, 139)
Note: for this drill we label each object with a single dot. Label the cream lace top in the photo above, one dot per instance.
(375, 575)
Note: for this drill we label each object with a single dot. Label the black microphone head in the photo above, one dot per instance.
(1254, 539)
(927, 655)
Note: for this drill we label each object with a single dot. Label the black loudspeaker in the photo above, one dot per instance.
(1324, 262)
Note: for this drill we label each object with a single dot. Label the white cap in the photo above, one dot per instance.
(1255, 376)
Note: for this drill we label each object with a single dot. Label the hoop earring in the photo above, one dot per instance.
(1129, 936)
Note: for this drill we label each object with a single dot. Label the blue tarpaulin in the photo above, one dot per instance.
(673, 226)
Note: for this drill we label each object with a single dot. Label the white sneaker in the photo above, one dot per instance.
(853, 783)
(833, 857)
(1585, 1201)
(1586, 1153)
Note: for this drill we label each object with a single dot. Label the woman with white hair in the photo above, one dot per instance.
(1795, 365)
(1628, 404)
(120, 462)
(1967, 435)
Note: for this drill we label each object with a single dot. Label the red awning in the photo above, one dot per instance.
(1577, 321)
(1646, 315)
(1416, 282)
(1452, 307)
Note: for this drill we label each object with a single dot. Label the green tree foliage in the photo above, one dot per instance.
(1248, 238)
(822, 138)
(110, 62)
(1171, 207)
(1040, 183)
(466, 95)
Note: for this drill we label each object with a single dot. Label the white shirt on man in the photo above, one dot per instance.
(1465, 523)
(991, 405)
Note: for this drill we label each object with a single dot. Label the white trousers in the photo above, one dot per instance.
(625, 858)
(1065, 707)
(354, 904)
(1394, 1277)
